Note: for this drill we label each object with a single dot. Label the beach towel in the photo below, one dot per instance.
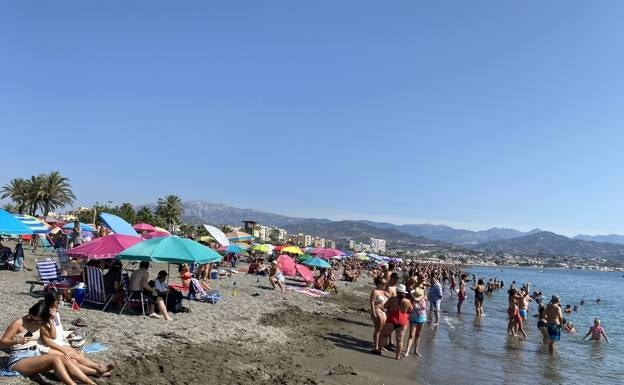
(94, 347)
(310, 292)
(9, 373)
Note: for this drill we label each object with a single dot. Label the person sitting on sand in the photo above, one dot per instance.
(26, 355)
(597, 331)
(139, 282)
(276, 277)
(54, 337)
(554, 319)
(398, 309)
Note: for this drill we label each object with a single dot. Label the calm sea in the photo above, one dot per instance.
(465, 349)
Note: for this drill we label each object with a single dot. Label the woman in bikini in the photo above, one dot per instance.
(26, 355)
(378, 298)
(479, 290)
(418, 317)
(398, 309)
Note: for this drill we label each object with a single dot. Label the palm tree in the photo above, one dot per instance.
(17, 190)
(170, 209)
(126, 211)
(55, 191)
(145, 215)
(34, 193)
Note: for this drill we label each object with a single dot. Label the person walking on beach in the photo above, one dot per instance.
(515, 323)
(597, 331)
(276, 277)
(398, 309)
(418, 317)
(378, 298)
(554, 319)
(435, 298)
(461, 293)
(479, 290)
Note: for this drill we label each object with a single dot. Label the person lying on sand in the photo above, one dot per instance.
(26, 356)
(54, 337)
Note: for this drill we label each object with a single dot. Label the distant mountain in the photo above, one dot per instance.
(198, 212)
(452, 235)
(357, 231)
(611, 238)
(554, 244)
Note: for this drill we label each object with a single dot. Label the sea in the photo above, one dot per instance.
(465, 349)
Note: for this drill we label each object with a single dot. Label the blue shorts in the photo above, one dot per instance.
(435, 305)
(523, 313)
(554, 332)
(18, 355)
(421, 319)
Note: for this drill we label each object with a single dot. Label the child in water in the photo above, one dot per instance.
(597, 331)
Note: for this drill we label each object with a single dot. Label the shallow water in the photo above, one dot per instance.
(466, 349)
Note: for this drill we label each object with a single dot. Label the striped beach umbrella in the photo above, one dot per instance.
(238, 236)
(35, 225)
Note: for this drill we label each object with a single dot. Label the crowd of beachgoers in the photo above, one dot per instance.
(406, 295)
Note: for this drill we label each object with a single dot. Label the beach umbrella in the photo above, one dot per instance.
(37, 226)
(362, 256)
(235, 249)
(9, 225)
(117, 224)
(206, 238)
(156, 228)
(303, 257)
(326, 253)
(237, 236)
(218, 235)
(83, 227)
(304, 272)
(143, 227)
(261, 249)
(156, 234)
(104, 248)
(291, 250)
(317, 262)
(286, 265)
(171, 249)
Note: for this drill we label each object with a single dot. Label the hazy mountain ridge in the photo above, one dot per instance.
(549, 243)
(611, 238)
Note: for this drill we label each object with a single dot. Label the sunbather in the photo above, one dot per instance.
(26, 356)
(55, 338)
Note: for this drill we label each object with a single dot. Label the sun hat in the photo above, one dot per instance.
(418, 293)
(401, 289)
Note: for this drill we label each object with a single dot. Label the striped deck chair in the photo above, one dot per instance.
(197, 291)
(132, 297)
(95, 289)
(49, 276)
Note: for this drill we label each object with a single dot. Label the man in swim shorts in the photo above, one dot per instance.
(554, 319)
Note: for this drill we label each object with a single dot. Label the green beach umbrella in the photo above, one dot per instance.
(317, 262)
(304, 257)
(261, 248)
(170, 250)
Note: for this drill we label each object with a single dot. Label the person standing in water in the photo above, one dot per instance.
(435, 298)
(461, 293)
(554, 319)
(597, 331)
(418, 317)
(378, 299)
(479, 290)
(398, 309)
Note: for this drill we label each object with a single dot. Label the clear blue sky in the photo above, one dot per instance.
(470, 113)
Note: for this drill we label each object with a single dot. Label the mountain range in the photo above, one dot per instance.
(535, 241)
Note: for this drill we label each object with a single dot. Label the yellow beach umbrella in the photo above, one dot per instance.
(292, 250)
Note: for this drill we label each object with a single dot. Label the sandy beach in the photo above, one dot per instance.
(254, 335)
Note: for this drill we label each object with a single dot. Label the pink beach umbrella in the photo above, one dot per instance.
(304, 272)
(286, 265)
(326, 253)
(143, 227)
(156, 234)
(104, 248)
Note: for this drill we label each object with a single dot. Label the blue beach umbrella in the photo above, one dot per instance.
(9, 225)
(234, 249)
(317, 262)
(34, 224)
(83, 227)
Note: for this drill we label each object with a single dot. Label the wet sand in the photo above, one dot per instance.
(254, 335)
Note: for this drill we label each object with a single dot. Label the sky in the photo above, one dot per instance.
(473, 114)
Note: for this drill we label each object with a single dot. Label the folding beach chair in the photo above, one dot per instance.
(49, 276)
(132, 297)
(197, 291)
(95, 289)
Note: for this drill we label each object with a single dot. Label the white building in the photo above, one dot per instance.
(378, 245)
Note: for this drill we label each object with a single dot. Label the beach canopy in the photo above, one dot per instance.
(171, 249)
(117, 225)
(317, 262)
(35, 225)
(218, 235)
(156, 234)
(10, 225)
(237, 236)
(104, 248)
(83, 227)
(304, 272)
(325, 253)
(143, 227)
(291, 250)
(286, 265)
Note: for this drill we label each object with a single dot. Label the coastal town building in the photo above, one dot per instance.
(302, 240)
(378, 245)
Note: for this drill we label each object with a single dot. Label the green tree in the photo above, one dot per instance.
(10, 207)
(126, 211)
(55, 192)
(145, 215)
(226, 229)
(18, 191)
(170, 210)
(34, 193)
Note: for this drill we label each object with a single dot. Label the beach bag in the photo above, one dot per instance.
(174, 301)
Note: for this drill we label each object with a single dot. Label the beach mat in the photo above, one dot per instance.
(310, 292)
(94, 347)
